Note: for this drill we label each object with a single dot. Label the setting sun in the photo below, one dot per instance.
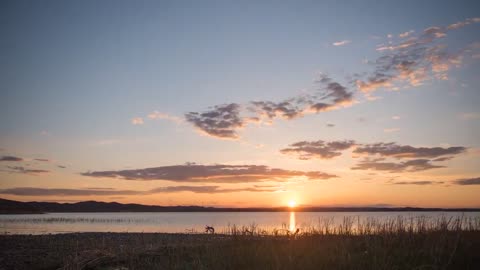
(292, 203)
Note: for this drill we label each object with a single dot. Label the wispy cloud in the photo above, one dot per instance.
(463, 23)
(470, 116)
(406, 34)
(23, 170)
(212, 174)
(341, 43)
(137, 121)
(164, 116)
(415, 60)
(390, 130)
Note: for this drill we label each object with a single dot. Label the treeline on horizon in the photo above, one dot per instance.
(17, 207)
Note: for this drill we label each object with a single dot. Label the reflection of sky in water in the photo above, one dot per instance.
(188, 222)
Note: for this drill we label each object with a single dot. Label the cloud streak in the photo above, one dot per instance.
(341, 43)
(418, 183)
(211, 174)
(459, 182)
(414, 165)
(31, 191)
(10, 158)
(407, 151)
(23, 170)
(468, 182)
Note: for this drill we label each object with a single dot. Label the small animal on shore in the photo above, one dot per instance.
(290, 234)
(209, 229)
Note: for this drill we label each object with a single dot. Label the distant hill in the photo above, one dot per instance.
(16, 207)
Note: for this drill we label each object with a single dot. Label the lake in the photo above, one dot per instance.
(193, 222)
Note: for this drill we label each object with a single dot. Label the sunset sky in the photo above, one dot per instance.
(241, 103)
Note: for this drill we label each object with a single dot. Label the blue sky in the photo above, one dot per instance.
(75, 74)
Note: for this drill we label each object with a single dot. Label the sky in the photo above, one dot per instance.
(241, 103)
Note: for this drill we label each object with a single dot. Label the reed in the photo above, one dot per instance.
(352, 243)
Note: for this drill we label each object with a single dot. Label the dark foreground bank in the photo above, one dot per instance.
(431, 250)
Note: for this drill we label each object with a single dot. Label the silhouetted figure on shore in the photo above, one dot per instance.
(209, 229)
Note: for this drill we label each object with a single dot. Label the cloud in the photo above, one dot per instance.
(420, 158)
(470, 116)
(387, 154)
(318, 149)
(408, 63)
(108, 142)
(31, 191)
(390, 130)
(442, 159)
(42, 159)
(467, 182)
(329, 95)
(288, 109)
(396, 117)
(414, 165)
(341, 43)
(406, 34)
(211, 174)
(164, 116)
(418, 183)
(330, 125)
(221, 121)
(463, 23)
(407, 151)
(20, 169)
(224, 121)
(137, 121)
(460, 182)
(10, 158)
(414, 60)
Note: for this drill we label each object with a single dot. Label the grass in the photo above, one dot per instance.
(400, 243)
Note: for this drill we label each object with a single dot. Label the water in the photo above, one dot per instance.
(190, 222)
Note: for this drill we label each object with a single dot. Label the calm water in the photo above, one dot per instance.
(188, 222)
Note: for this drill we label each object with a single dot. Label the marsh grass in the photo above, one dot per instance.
(353, 243)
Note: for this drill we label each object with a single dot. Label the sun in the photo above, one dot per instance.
(292, 203)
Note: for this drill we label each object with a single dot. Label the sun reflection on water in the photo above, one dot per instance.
(292, 225)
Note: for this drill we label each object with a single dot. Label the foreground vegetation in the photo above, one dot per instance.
(399, 243)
